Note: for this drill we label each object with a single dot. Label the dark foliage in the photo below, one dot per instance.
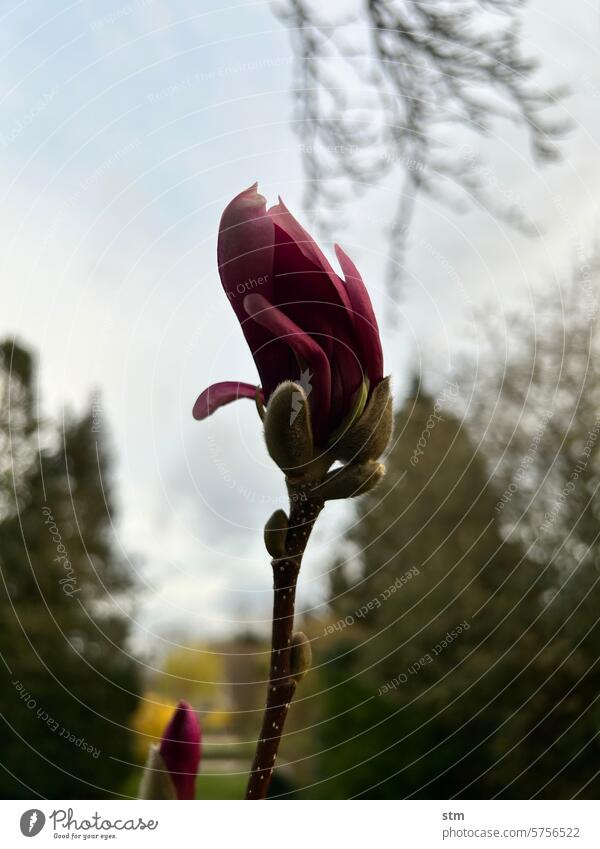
(69, 682)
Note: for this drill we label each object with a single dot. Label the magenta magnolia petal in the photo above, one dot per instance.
(295, 312)
(304, 294)
(298, 236)
(277, 323)
(181, 748)
(245, 258)
(220, 394)
(364, 318)
(347, 375)
(245, 247)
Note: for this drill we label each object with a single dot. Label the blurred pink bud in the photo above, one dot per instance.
(181, 749)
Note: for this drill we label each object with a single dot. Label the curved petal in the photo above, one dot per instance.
(220, 394)
(287, 331)
(296, 233)
(245, 247)
(365, 322)
(245, 257)
(303, 292)
(347, 376)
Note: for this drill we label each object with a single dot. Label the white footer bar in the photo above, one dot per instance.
(302, 825)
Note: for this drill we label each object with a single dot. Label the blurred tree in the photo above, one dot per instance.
(196, 673)
(381, 86)
(246, 659)
(444, 671)
(537, 419)
(70, 682)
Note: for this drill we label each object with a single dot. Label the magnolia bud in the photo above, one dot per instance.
(351, 480)
(368, 437)
(156, 781)
(276, 533)
(288, 431)
(301, 656)
(181, 749)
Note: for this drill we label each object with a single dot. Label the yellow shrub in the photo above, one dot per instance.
(149, 721)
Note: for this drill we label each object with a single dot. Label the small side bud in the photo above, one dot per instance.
(368, 438)
(351, 480)
(276, 533)
(301, 656)
(288, 431)
(156, 782)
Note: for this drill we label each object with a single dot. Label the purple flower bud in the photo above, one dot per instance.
(301, 321)
(181, 748)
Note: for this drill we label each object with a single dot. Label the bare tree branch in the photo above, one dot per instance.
(376, 94)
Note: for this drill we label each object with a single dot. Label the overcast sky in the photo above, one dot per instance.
(125, 129)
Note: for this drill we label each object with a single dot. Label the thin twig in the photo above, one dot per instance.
(304, 509)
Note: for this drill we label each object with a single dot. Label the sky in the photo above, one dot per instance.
(125, 128)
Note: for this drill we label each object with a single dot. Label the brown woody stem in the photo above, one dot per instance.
(304, 509)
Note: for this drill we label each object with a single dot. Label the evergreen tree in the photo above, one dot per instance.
(70, 682)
